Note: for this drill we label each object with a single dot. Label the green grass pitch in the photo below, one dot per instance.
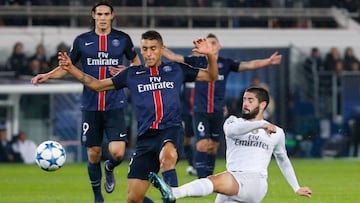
(332, 181)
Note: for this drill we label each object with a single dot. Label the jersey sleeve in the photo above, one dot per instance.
(196, 61)
(75, 53)
(120, 79)
(190, 73)
(283, 161)
(234, 65)
(130, 52)
(234, 126)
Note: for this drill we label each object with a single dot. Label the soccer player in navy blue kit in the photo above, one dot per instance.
(101, 52)
(210, 102)
(187, 100)
(155, 88)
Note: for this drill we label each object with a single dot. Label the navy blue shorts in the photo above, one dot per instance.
(96, 124)
(208, 125)
(148, 146)
(188, 125)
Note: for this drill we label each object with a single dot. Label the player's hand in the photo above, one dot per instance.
(304, 191)
(275, 58)
(64, 61)
(115, 70)
(269, 128)
(39, 78)
(201, 46)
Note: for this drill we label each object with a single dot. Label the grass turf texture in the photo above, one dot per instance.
(332, 181)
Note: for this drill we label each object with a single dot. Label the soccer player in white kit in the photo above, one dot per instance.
(250, 143)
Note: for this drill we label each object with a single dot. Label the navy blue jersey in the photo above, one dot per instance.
(96, 53)
(210, 96)
(155, 93)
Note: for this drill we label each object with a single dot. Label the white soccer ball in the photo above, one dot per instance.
(50, 155)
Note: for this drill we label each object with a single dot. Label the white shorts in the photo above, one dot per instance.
(252, 188)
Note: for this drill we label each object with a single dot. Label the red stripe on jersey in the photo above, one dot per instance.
(210, 104)
(102, 73)
(157, 101)
(192, 101)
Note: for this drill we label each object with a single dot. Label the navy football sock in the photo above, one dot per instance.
(201, 164)
(147, 200)
(210, 164)
(113, 163)
(94, 171)
(170, 177)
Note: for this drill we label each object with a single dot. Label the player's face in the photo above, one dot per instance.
(103, 17)
(251, 106)
(214, 44)
(151, 50)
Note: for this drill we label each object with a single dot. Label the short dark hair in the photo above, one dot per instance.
(152, 35)
(211, 35)
(261, 94)
(102, 3)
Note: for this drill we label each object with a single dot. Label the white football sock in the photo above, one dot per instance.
(196, 188)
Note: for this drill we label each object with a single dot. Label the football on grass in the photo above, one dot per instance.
(50, 155)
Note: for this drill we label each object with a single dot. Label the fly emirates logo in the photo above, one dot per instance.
(102, 60)
(155, 84)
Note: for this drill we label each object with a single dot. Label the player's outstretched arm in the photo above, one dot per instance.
(304, 191)
(274, 59)
(171, 56)
(54, 74)
(212, 72)
(87, 80)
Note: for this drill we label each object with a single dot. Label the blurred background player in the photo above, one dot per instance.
(209, 102)
(100, 51)
(187, 99)
(250, 143)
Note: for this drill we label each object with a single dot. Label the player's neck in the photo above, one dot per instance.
(102, 31)
(257, 118)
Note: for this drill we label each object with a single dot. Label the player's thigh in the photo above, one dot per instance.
(253, 187)
(137, 189)
(115, 125)
(224, 183)
(92, 131)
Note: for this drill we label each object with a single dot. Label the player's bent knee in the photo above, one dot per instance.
(213, 147)
(202, 145)
(94, 154)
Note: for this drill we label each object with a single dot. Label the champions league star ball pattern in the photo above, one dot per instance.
(50, 155)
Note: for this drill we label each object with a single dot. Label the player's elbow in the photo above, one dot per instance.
(214, 77)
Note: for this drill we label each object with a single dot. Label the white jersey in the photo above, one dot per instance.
(249, 148)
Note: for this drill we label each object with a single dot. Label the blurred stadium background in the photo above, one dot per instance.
(320, 116)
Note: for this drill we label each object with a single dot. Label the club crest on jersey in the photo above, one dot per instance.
(167, 68)
(115, 43)
(255, 131)
(220, 65)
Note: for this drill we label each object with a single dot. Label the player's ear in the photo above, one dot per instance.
(263, 105)
(93, 15)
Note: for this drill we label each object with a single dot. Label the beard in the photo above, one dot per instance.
(252, 114)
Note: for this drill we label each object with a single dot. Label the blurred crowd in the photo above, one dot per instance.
(19, 149)
(21, 64)
(351, 6)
